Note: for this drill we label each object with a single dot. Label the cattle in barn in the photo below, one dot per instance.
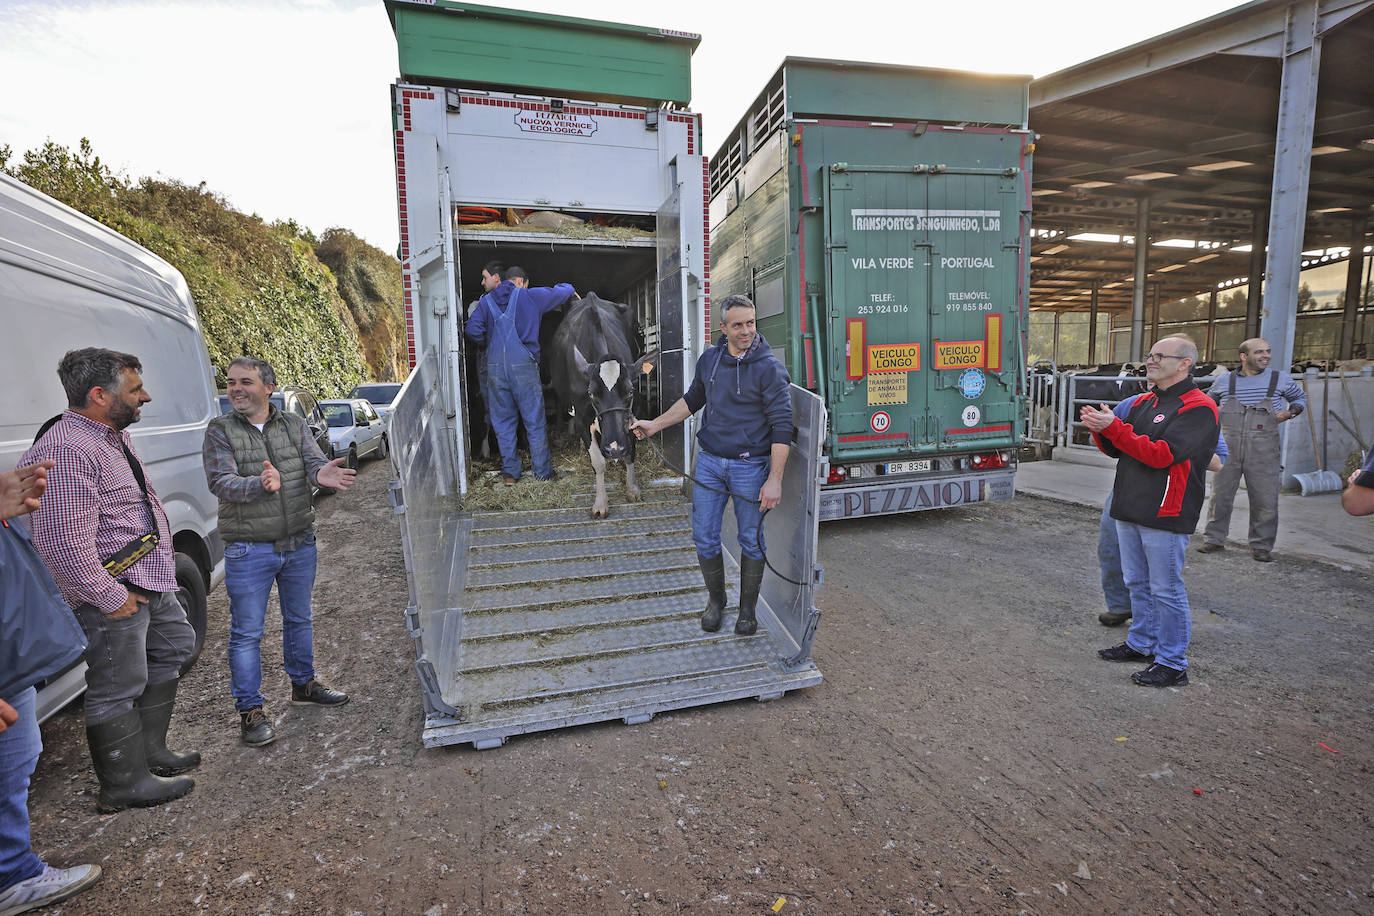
(1108, 384)
(593, 370)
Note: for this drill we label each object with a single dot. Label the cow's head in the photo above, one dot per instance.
(610, 386)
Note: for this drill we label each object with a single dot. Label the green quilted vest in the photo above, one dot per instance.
(281, 514)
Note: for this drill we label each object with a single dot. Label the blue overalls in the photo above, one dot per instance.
(514, 392)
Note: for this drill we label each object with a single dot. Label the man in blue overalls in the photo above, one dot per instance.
(506, 322)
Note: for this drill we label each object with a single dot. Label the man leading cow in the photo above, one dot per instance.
(506, 321)
(745, 437)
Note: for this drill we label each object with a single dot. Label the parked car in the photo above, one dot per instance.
(67, 281)
(356, 430)
(381, 395)
(293, 400)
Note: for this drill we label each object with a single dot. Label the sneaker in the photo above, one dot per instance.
(1262, 556)
(1123, 653)
(1161, 676)
(1113, 618)
(1209, 547)
(48, 886)
(257, 731)
(508, 480)
(313, 693)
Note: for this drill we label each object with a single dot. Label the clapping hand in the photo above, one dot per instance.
(21, 488)
(335, 476)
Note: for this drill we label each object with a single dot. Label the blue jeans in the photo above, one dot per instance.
(20, 745)
(1109, 560)
(514, 394)
(1161, 621)
(250, 568)
(743, 478)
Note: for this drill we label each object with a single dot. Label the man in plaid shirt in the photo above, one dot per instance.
(98, 502)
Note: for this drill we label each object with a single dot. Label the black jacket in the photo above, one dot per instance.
(1164, 445)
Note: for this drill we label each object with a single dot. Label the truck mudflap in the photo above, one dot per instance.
(526, 621)
(889, 497)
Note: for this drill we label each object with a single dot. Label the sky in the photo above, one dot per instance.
(283, 107)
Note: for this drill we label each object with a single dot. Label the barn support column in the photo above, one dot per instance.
(1054, 335)
(1211, 338)
(1142, 257)
(1259, 240)
(1092, 327)
(1155, 293)
(1353, 291)
(1292, 170)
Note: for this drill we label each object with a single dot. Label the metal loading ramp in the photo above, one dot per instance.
(525, 621)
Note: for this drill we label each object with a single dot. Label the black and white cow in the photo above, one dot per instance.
(593, 366)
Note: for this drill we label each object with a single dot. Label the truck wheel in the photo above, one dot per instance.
(191, 597)
(352, 462)
(384, 449)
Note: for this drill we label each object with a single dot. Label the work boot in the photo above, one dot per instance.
(1113, 618)
(155, 713)
(750, 578)
(121, 765)
(254, 727)
(713, 571)
(313, 693)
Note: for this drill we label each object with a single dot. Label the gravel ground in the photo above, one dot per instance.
(967, 753)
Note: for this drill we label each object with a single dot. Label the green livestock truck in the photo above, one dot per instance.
(879, 217)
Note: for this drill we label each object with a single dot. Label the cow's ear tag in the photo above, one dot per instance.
(647, 367)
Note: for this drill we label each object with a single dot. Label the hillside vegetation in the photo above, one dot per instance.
(325, 312)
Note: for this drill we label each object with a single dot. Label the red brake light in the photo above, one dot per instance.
(836, 475)
(989, 461)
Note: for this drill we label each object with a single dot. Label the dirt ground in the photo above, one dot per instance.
(967, 753)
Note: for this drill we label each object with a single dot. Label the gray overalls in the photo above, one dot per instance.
(1252, 437)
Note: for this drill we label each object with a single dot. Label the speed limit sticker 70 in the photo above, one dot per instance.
(880, 421)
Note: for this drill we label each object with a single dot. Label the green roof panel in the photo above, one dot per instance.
(486, 47)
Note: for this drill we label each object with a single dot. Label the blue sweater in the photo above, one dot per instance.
(530, 307)
(748, 408)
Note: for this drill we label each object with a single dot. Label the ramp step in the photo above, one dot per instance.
(574, 645)
(576, 516)
(575, 678)
(571, 570)
(559, 549)
(487, 728)
(598, 531)
(495, 600)
(526, 621)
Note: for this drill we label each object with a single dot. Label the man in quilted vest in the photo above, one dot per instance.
(261, 463)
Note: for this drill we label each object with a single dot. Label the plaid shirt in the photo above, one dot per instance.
(92, 508)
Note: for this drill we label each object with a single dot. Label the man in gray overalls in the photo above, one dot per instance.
(1251, 411)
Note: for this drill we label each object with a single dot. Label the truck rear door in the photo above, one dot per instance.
(922, 298)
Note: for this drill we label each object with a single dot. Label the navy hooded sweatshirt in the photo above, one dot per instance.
(748, 408)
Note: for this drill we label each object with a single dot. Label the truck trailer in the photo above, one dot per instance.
(879, 217)
(565, 146)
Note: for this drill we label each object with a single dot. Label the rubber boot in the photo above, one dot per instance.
(121, 764)
(155, 713)
(713, 571)
(750, 578)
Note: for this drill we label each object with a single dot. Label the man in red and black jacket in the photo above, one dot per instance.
(1164, 445)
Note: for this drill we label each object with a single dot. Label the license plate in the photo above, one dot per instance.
(908, 467)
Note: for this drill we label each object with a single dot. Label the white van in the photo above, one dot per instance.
(68, 282)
